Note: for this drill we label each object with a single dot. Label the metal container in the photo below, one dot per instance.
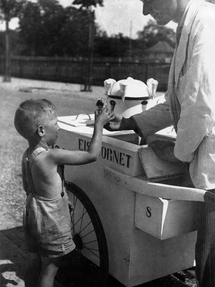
(131, 96)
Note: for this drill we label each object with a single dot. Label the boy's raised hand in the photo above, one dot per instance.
(102, 117)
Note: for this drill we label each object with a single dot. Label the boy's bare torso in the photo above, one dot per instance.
(46, 175)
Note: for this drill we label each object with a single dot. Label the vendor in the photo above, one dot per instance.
(190, 107)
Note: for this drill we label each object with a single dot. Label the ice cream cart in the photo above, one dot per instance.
(133, 214)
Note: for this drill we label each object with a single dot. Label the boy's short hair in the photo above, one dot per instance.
(30, 114)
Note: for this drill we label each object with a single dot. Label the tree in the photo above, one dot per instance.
(40, 27)
(153, 33)
(9, 9)
(89, 4)
(114, 46)
(56, 30)
(75, 32)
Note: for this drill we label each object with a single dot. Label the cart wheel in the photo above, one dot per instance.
(89, 236)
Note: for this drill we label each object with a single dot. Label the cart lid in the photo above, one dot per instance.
(127, 89)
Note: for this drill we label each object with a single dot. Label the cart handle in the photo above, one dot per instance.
(143, 186)
(82, 115)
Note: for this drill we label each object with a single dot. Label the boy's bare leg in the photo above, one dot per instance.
(32, 273)
(48, 271)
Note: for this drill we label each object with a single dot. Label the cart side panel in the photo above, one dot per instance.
(118, 154)
(135, 257)
(116, 211)
(115, 206)
(152, 258)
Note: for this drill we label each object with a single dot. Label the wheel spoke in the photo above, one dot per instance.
(85, 227)
(75, 199)
(83, 213)
(92, 241)
(91, 250)
(80, 218)
(88, 233)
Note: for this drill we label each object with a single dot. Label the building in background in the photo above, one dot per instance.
(162, 52)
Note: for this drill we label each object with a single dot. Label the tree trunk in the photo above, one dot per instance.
(7, 77)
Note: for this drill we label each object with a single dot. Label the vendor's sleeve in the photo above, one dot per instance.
(150, 121)
(128, 124)
(198, 101)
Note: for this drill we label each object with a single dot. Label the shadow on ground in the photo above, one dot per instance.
(13, 257)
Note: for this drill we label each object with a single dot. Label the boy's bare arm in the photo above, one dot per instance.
(67, 157)
(24, 176)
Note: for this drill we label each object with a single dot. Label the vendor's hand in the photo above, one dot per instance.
(114, 124)
(164, 150)
(102, 116)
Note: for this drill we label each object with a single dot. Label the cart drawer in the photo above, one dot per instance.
(165, 218)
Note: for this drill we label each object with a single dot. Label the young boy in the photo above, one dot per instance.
(47, 220)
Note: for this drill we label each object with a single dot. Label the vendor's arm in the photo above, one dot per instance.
(119, 123)
(146, 123)
(154, 119)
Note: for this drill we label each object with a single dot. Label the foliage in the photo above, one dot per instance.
(153, 33)
(114, 46)
(10, 8)
(46, 28)
(15, 48)
(39, 25)
(120, 46)
(88, 3)
(56, 30)
(75, 33)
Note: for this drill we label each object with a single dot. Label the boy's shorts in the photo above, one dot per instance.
(47, 226)
(58, 251)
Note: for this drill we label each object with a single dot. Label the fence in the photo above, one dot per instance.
(75, 70)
